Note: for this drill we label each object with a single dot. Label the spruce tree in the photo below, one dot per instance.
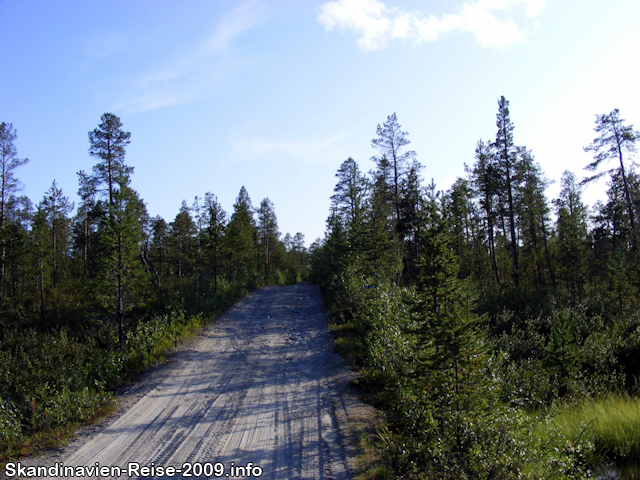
(57, 208)
(571, 228)
(382, 247)
(182, 243)
(533, 214)
(485, 181)
(349, 194)
(268, 234)
(214, 232)
(86, 219)
(459, 399)
(241, 242)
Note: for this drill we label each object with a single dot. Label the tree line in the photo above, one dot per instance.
(471, 309)
(89, 295)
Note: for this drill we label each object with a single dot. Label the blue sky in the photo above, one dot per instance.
(275, 94)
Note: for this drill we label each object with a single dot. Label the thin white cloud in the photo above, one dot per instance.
(295, 148)
(243, 18)
(376, 25)
(193, 72)
(256, 147)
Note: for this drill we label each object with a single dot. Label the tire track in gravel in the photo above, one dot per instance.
(260, 385)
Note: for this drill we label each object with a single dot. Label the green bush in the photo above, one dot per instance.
(9, 424)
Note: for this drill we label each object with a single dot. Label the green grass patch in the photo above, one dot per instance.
(590, 435)
(611, 423)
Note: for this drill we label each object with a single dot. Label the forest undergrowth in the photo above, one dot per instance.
(59, 379)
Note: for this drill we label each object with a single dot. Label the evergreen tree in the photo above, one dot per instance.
(108, 144)
(614, 242)
(408, 225)
(199, 221)
(181, 243)
(267, 230)
(9, 185)
(41, 245)
(214, 236)
(86, 219)
(331, 258)
(614, 139)
(159, 248)
(120, 273)
(57, 208)
(382, 249)
(241, 242)
(485, 181)
(349, 195)
(571, 228)
(391, 142)
(451, 360)
(507, 159)
(299, 252)
(533, 213)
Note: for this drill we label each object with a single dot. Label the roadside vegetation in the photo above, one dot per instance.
(90, 297)
(498, 331)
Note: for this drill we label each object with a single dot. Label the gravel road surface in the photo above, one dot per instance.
(259, 386)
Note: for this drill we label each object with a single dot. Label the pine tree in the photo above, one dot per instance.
(614, 140)
(507, 159)
(120, 273)
(159, 248)
(108, 144)
(123, 237)
(408, 226)
(199, 221)
(9, 185)
(391, 142)
(40, 243)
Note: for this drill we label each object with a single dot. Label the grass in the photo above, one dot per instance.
(612, 423)
(602, 434)
(372, 462)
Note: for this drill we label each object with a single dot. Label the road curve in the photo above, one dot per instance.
(261, 385)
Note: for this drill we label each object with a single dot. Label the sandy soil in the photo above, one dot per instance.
(260, 385)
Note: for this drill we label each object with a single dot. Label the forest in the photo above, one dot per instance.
(90, 297)
(497, 329)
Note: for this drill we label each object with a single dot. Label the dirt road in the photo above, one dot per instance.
(260, 386)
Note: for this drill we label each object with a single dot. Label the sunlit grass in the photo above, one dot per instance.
(611, 424)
